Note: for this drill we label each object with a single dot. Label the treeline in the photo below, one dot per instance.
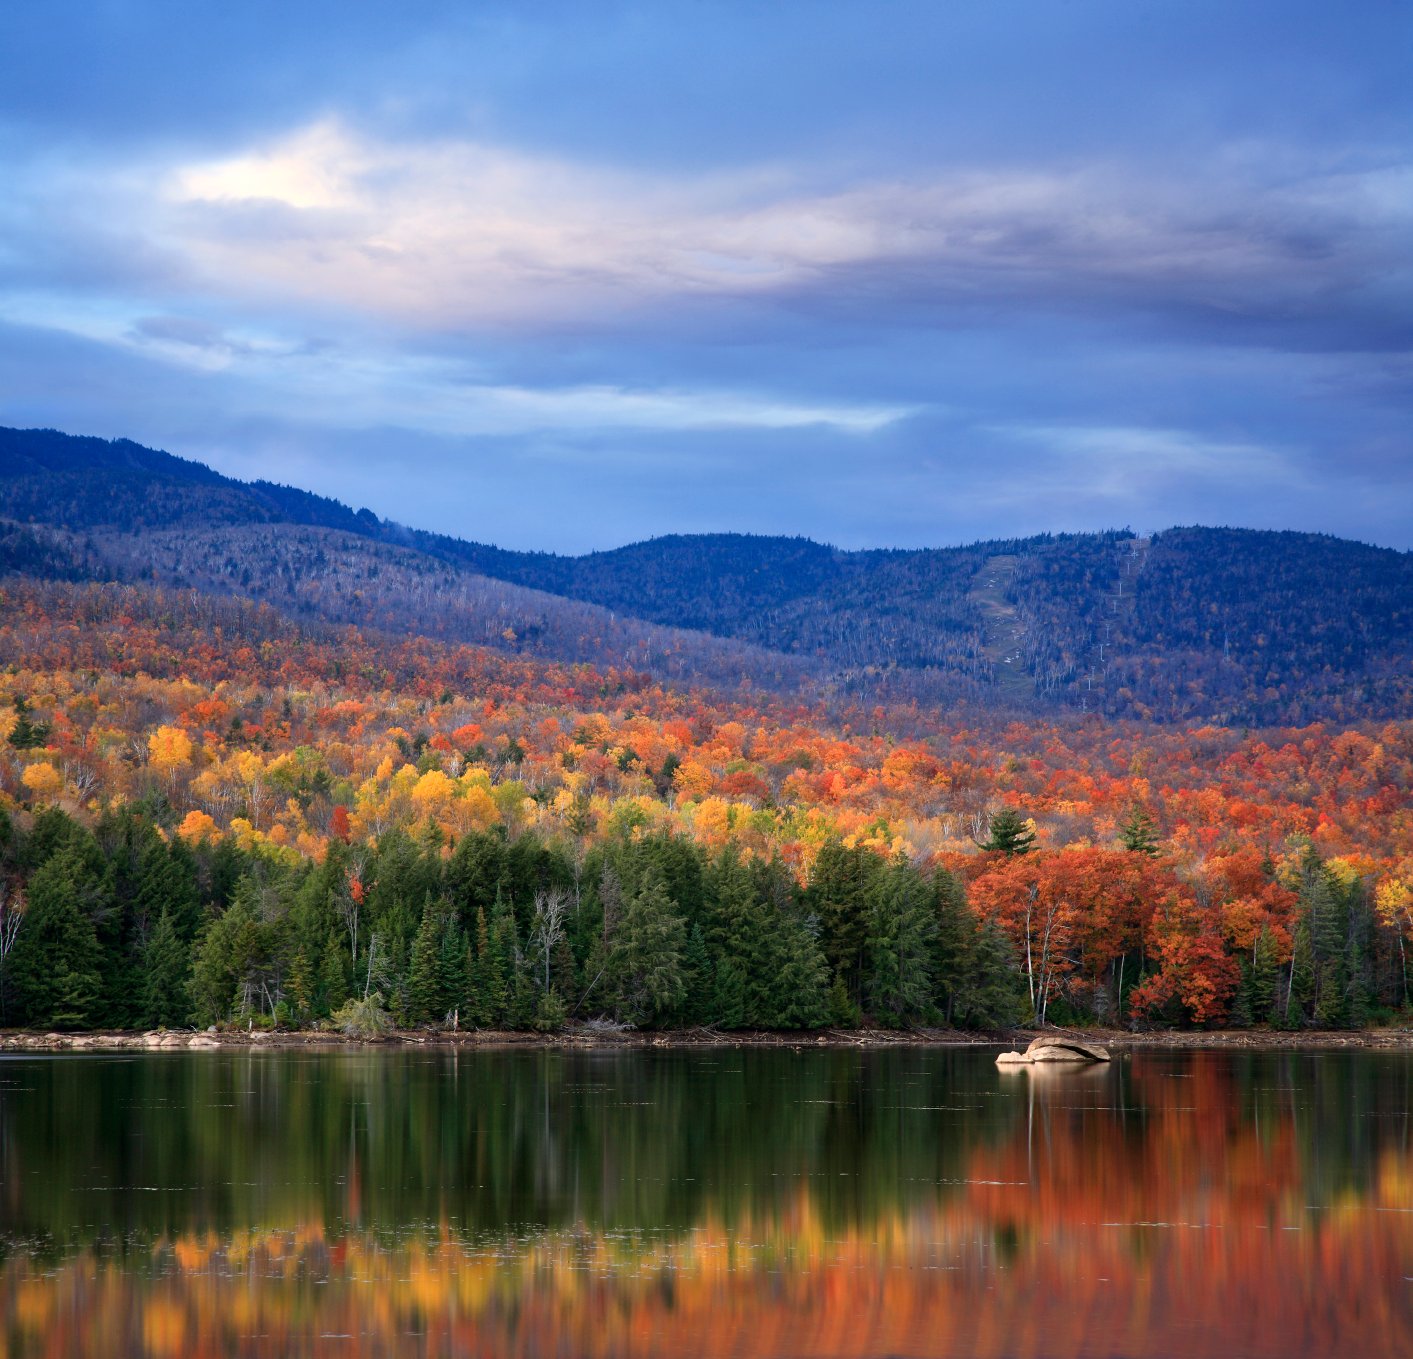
(123, 927)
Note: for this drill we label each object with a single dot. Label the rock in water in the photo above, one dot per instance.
(1055, 1047)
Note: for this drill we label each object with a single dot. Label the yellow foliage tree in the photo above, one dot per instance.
(169, 750)
(44, 782)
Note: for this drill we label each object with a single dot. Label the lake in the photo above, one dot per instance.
(715, 1202)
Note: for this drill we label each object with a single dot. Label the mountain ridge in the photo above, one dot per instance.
(1233, 625)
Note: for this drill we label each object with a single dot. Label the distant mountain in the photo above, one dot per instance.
(1198, 624)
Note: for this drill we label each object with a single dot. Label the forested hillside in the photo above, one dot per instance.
(1198, 624)
(211, 813)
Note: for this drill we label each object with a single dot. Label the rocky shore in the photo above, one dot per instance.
(595, 1036)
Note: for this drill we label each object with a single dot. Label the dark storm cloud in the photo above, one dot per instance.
(901, 275)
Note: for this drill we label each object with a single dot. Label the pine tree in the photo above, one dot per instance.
(166, 1002)
(1300, 986)
(697, 980)
(423, 988)
(56, 964)
(1139, 834)
(1010, 834)
(901, 947)
(994, 991)
(647, 954)
(333, 976)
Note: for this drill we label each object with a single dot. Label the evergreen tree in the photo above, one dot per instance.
(698, 981)
(453, 967)
(955, 937)
(994, 994)
(1139, 834)
(647, 955)
(728, 1006)
(901, 947)
(501, 963)
(840, 896)
(301, 988)
(166, 963)
(56, 964)
(333, 990)
(1328, 944)
(798, 995)
(1300, 986)
(1264, 987)
(1010, 834)
(424, 996)
(480, 1009)
(738, 932)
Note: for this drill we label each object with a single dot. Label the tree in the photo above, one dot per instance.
(647, 955)
(901, 946)
(547, 927)
(1010, 834)
(169, 751)
(839, 896)
(165, 965)
(44, 782)
(993, 995)
(1139, 834)
(424, 992)
(56, 964)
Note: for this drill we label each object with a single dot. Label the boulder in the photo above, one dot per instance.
(1055, 1047)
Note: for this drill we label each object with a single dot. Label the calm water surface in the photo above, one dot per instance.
(737, 1202)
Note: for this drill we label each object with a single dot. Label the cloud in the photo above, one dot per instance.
(453, 234)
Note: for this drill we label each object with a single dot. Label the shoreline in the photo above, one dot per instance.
(585, 1037)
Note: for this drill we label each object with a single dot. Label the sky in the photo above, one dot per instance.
(566, 276)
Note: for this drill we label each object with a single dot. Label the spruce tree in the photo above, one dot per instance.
(840, 895)
(423, 983)
(647, 954)
(798, 996)
(901, 947)
(166, 963)
(1265, 979)
(500, 969)
(1010, 834)
(955, 943)
(1139, 834)
(1328, 943)
(995, 991)
(698, 980)
(1300, 985)
(56, 964)
(333, 975)
(453, 967)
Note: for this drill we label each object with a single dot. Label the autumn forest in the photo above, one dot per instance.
(215, 814)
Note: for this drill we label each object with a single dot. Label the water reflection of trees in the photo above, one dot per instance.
(483, 1142)
(759, 1203)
